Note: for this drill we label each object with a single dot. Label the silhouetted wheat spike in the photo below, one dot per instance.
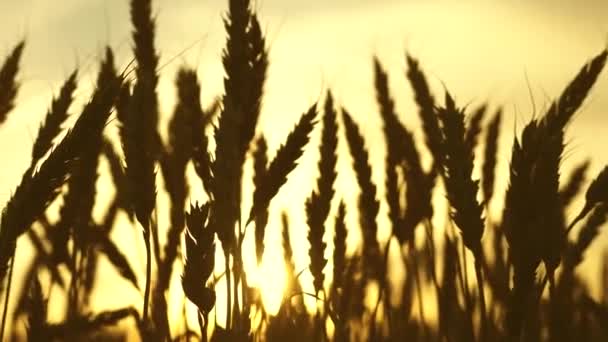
(339, 255)
(225, 188)
(368, 203)
(426, 107)
(76, 212)
(258, 59)
(122, 104)
(8, 82)
(260, 163)
(598, 190)
(37, 190)
(200, 143)
(402, 153)
(574, 183)
(391, 126)
(521, 233)
(557, 117)
(139, 136)
(173, 166)
(339, 273)
(283, 163)
(457, 162)
(589, 231)
(319, 202)
(55, 117)
(554, 123)
(200, 260)
(540, 212)
(138, 131)
(596, 193)
(561, 111)
(473, 127)
(457, 169)
(293, 285)
(490, 157)
(245, 62)
(533, 212)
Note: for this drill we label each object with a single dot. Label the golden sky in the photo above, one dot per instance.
(481, 51)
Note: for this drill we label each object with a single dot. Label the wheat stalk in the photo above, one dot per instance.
(200, 260)
(138, 131)
(457, 160)
(56, 115)
(426, 107)
(8, 82)
(402, 154)
(368, 203)
(573, 185)
(457, 168)
(319, 202)
(533, 210)
(76, 212)
(260, 164)
(473, 125)
(490, 157)
(38, 189)
(173, 167)
(283, 163)
(245, 62)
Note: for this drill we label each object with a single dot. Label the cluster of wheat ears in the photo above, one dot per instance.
(513, 258)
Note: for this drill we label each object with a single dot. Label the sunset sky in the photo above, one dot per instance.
(480, 50)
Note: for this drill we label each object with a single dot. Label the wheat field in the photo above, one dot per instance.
(142, 218)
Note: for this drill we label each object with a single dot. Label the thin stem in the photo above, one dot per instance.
(202, 325)
(431, 241)
(238, 269)
(461, 281)
(148, 272)
(417, 281)
(155, 239)
(464, 284)
(244, 286)
(382, 287)
(184, 314)
(325, 313)
(228, 291)
(73, 293)
(236, 319)
(580, 216)
(465, 273)
(7, 297)
(482, 298)
(466, 290)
